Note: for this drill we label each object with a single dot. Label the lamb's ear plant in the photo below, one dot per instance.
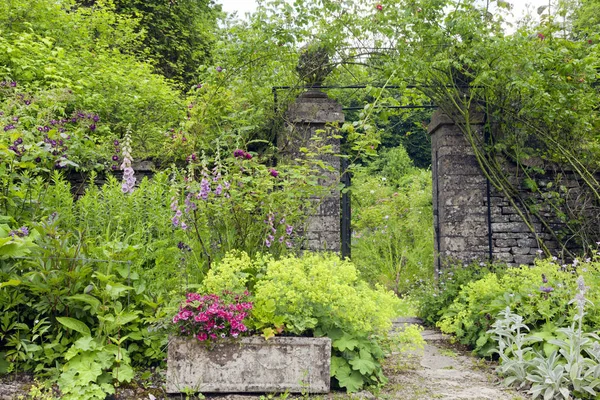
(515, 354)
(571, 370)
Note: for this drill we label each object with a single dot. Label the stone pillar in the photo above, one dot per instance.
(313, 111)
(459, 194)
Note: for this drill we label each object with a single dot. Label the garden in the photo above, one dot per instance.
(99, 275)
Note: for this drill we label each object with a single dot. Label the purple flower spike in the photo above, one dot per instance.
(93, 127)
(546, 289)
(544, 279)
(219, 69)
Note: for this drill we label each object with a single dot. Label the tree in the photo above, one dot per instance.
(177, 34)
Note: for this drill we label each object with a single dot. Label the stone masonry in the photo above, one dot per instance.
(467, 226)
(313, 111)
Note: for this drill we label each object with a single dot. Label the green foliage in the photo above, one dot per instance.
(436, 297)
(57, 300)
(176, 36)
(393, 223)
(541, 294)
(82, 54)
(317, 295)
(570, 368)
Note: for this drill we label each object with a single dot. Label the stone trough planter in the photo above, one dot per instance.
(249, 365)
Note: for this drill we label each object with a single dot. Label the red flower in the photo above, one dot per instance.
(541, 36)
(379, 7)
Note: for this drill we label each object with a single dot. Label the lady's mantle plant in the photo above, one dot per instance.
(210, 317)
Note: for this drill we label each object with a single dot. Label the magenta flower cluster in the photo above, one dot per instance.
(239, 153)
(211, 317)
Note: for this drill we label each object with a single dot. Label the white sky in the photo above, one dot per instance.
(244, 6)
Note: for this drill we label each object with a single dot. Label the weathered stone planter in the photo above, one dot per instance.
(295, 364)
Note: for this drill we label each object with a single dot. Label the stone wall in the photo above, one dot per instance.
(313, 111)
(473, 220)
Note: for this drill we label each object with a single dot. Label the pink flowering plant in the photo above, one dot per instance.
(210, 317)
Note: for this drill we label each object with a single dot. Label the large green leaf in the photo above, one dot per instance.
(124, 373)
(353, 381)
(88, 299)
(364, 366)
(346, 342)
(11, 282)
(75, 324)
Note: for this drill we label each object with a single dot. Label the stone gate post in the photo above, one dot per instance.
(311, 112)
(460, 209)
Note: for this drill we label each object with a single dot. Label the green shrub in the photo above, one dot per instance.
(540, 294)
(315, 295)
(436, 297)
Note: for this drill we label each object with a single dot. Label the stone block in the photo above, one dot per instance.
(249, 365)
(527, 242)
(504, 257)
(464, 229)
(455, 165)
(526, 259)
(507, 235)
(324, 224)
(462, 198)
(521, 250)
(513, 227)
(508, 210)
(465, 213)
(502, 249)
(501, 218)
(505, 242)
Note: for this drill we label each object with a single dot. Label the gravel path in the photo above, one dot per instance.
(441, 371)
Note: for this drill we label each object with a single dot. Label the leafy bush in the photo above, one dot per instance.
(69, 315)
(436, 297)
(234, 201)
(316, 295)
(541, 294)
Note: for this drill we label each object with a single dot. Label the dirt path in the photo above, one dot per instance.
(440, 371)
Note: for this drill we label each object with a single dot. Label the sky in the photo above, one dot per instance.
(244, 6)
